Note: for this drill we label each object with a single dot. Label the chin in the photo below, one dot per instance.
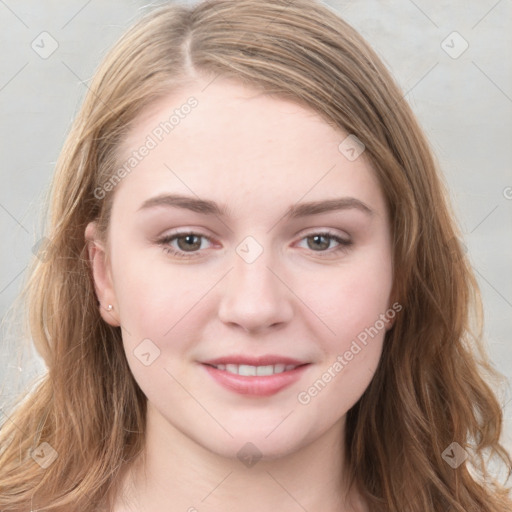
(254, 444)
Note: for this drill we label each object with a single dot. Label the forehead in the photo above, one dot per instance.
(225, 107)
(237, 142)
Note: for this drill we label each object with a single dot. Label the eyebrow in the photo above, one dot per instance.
(298, 210)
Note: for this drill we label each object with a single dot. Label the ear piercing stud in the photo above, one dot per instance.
(110, 307)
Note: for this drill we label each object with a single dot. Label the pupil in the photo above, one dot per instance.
(316, 239)
(189, 241)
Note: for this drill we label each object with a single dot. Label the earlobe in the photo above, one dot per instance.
(391, 315)
(101, 274)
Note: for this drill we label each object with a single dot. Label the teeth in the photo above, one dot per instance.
(232, 368)
(264, 370)
(247, 370)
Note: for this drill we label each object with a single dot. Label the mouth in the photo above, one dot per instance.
(258, 380)
(247, 370)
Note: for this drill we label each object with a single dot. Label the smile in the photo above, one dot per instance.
(248, 370)
(252, 380)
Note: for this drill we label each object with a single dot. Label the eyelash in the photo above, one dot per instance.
(344, 245)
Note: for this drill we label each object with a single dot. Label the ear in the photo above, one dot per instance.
(389, 322)
(391, 313)
(103, 284)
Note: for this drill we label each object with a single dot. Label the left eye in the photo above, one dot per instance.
(189, 244)
(185, 241)
(342, 244)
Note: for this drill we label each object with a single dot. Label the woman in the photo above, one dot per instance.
(253, 293)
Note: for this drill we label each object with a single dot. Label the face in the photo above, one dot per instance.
(221, 277)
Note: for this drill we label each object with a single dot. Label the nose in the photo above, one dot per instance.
(256, 297)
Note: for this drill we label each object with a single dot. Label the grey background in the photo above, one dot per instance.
(464, 105)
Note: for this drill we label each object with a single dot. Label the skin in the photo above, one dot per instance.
(256, 155)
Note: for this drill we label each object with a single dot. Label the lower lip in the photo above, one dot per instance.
(266, 385)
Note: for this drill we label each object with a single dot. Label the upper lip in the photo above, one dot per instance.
(265, 360)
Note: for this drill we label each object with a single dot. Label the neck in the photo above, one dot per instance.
(174, 473)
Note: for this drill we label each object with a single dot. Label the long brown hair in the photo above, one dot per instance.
(431, 388)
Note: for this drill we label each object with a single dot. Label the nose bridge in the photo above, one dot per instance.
(251, 276)
(254, 296)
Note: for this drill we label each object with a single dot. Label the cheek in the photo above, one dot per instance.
(154, 301)
(352, 299)
(361, 327)
(353, 309)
